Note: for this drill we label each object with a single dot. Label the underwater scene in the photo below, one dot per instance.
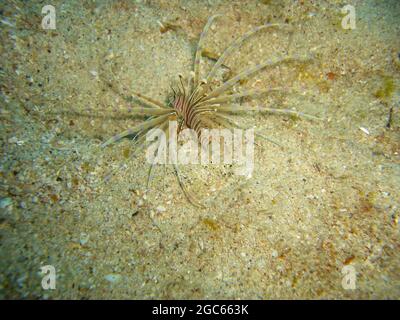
(200, 149)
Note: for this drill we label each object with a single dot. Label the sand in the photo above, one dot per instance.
(326, 199)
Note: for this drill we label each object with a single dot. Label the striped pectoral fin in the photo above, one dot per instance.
(149, 111)
(149, 101)
(227, 122)
(250, 71)
(224, 121)
(186, 192)
(118, 137)
(143, 127)
(197, 58)
(138, 144)
(267, 139)
(244, 94)
(247, 109)
(162, 127)
(290, 112)
(235, 45)
(236, 108)
(140, 97)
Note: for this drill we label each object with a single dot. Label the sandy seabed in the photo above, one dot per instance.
(326, 199)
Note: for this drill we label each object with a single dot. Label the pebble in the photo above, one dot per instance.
(274, 254)
(365, 130)
(13, 140)
(84, 238)
(5, 202)
(161, 209)
(113, 278)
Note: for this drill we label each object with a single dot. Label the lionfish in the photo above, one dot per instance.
(197, 106)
